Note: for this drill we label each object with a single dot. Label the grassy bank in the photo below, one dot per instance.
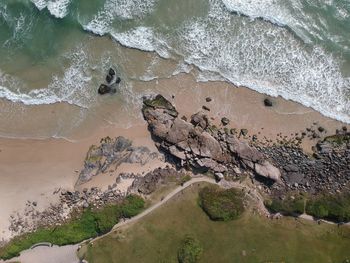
(324, 206)
(89, 223)
(250, 238)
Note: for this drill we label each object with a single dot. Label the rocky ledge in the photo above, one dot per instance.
(199, 145)
(110, 154)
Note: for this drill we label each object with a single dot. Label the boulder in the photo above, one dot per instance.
(104, 89)
(200, 119)
(269, 171)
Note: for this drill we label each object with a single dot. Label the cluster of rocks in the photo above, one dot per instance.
(200, 146)
(327, 170)
(110, 154)
(148, 184)
(57, 214)
(112, 81)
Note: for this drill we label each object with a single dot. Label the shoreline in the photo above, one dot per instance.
(45, 165)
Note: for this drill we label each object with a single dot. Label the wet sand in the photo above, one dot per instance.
(33, 169)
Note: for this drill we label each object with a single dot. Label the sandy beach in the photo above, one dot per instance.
(32, 170)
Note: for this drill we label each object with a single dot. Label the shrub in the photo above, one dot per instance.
(189, 251)
(288, 206)
(132, 205)
(86, 225)
(331, 207)
(221, 204)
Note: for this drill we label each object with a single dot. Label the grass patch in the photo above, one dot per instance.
(249, 239)
(190, 250)
(89, 223)
(222, 205)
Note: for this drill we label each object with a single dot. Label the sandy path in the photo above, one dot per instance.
(55, 254)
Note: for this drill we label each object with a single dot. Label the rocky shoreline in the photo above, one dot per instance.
(198, 146)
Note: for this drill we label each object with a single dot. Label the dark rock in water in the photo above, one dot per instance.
(109, 78)
(225, 121)
(104, 89)
(118, 80)
(111, 72)
(208, 99)
(268, 102)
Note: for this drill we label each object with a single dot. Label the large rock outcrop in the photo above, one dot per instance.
(110, 154)
(200, 145)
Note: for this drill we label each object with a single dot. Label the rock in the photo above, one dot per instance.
(208, 99)
(268, 102)
(111, 72)
(118, 80)
(244, 132)
(200, 119)
(291, 168)
(205, 108)
(112, 153)
(219, 176)
(269, 171)
(104, 89)
(225, 121)
(321, 129)
(177, 153)
(109, 78)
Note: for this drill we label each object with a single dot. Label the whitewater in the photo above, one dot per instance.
(299, 50)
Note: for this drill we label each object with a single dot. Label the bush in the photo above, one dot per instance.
(331, 207)
(288, 206)
(222, 205)
(189, 251)
(132, 206)
(86, 225)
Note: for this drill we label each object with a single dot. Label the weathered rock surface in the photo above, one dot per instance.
(112, 153)
(200, 145)
(328, 170)
(149, 183)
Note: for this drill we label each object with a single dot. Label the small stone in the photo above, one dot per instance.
(344, 128)
(205, 108)
(225, 121)
(296, 184)
(320, 129)
(268, 102)
(244, 132)
(35, 203)
(208, 99)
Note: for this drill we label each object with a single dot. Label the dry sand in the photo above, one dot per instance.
(33, 169)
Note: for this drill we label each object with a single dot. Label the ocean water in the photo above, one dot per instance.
(57, 51)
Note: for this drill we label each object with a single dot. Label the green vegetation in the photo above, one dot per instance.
(189, 251)
(160, 102)
(330, 207)
(338, 139)
(221, 205)
(90, 223)
(290, 205)
(249, 239)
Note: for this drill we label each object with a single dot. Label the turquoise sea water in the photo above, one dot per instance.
(298, 49)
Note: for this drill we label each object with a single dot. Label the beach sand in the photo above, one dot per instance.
(34, 169)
